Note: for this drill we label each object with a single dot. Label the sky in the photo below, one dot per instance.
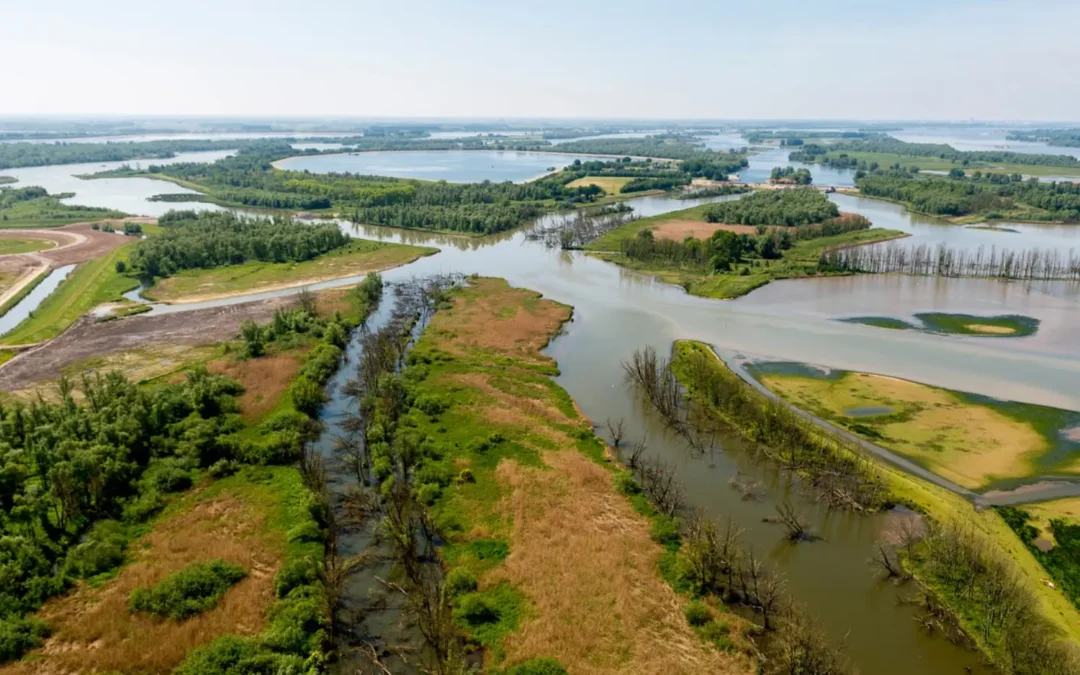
(715, 59)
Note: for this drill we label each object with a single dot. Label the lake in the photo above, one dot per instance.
(453, 166)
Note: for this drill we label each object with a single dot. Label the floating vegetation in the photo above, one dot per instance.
(1003, 325)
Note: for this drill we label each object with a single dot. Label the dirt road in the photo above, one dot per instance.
(87, 338)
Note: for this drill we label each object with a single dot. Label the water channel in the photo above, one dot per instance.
(618, 311)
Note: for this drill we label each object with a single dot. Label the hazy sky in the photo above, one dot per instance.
(902, 59)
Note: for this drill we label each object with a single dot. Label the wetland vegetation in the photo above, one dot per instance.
(35, 207)
(1005, 325)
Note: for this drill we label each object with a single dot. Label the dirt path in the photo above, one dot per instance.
(88, 338)
(26, 278)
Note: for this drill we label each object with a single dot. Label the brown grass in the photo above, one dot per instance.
(681, 229)
(495, 317)
(586, 562)
(264, 379)
(579, 553)
(93, 630)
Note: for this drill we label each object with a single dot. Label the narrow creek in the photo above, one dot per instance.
(25, 307)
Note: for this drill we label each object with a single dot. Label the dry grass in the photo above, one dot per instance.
(264, 379)
(585, 560)
(967, 443)
(493, 317)
(93, 630)
(579, 553)
(609, 184)
(678, 230)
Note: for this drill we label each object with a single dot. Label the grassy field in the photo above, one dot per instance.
(89, 285)
(942, 505)
(565, 561)
(243, 519)
(359, 257)
(612, 241)
(12, 245)
(609, 184)
(50, 212)
(1004, 325)
(970, 440)
(938, 164)
(798, 262)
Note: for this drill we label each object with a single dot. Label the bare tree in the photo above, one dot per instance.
(616, 429)
(797, 529)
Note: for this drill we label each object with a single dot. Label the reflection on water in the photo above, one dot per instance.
(28, 304)
(129, 195)
(455, 166)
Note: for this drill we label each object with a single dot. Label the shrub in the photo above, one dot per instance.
(142, 507)
(477, 610)
(460, 580)
(307, 395)
(665, 531)
(428, 493)
(698, 613)
(233, 655)
(466, 476)
(489, 549)
(188, 592)
(431, 404)
(102, 551)
(294, 574)
(20, 635)
(625, 483)
(541, 665)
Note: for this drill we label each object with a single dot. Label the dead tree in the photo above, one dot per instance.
(616, 429)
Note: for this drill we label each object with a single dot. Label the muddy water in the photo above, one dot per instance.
(617, 311)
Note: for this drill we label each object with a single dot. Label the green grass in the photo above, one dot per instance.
(12, 245)
(89, 285)
(798, 262)
(17, 298)
(359, 257)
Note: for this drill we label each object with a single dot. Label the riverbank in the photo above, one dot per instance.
(576, 577)
(798, 262)
(944, 507)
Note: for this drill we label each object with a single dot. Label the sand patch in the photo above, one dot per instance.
(989, 329)
(93, 630)
(588, 566)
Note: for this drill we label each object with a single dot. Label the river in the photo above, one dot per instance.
(618, 311)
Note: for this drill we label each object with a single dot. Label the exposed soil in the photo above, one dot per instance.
(91, 243)
(87, 338)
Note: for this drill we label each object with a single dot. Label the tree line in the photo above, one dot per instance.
(885, 144)
(211, 239)
(1068, 138)
(790, 174)
(992, 195)
(897, 258)
(774, 207)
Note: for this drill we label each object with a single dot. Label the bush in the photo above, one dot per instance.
(466, 476)
(188, 592)
(542, 665)
(428, 493)
(665, 531)
(460, 580)
(232, 655)
(168, 475)
(476, 610)
(102, 551)
(307, 395)
(625, 483)
(20, 635)
(698, 613)
(294, 574)
(431, 404)
(143, 507)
